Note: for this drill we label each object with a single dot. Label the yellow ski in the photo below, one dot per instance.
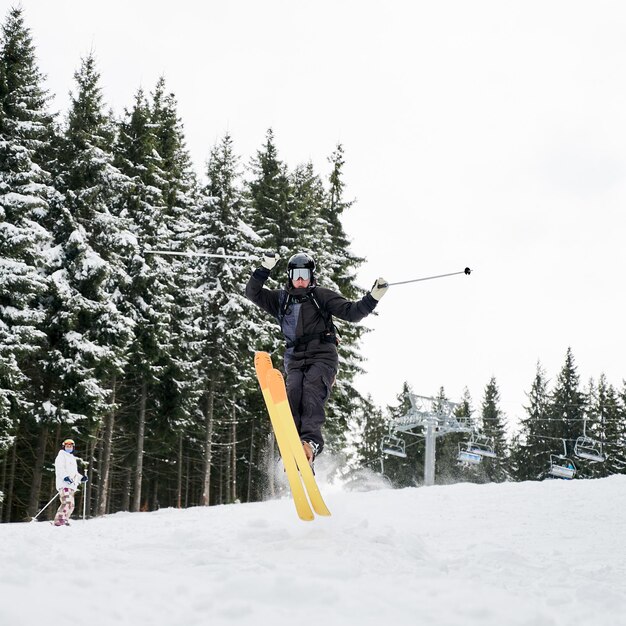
(278, 393)
(263, 366)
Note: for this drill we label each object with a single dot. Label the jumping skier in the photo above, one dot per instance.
(67, 481)
(304, 311)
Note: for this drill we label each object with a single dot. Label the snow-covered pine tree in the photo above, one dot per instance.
(27, 138)
(616, 437)
(338, 271)
(95, 236)
(89, 335)
(496, 470)
(149, 298)
(270, 211)
(447, 467)
(180, 182)
(180, 389)
(229, 321)
(605, 426)
(465, 411)
(407, 472)
(567, 407)
(365, 435)
(343, 267)
(531, 453)
(307, 200)
(590, 421)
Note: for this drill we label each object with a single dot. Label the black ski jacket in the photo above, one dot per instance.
(304, 318)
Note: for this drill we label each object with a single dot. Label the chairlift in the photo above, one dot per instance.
(394, 446)
(467, 456)
(481, 445)
(588, 448)
(561, 466)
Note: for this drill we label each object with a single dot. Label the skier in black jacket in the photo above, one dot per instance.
(304, 311)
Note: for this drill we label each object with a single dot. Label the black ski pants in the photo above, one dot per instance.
(308, 390)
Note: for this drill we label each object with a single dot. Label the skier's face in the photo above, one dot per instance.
(300, 278)
(301, 283)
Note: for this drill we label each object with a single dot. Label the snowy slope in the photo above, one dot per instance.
(537, 554)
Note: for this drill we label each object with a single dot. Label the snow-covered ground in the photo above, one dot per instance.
(532, 554)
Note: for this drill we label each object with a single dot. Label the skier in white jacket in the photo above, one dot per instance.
(67, 480)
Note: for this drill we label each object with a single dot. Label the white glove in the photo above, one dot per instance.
(379, 288)
(269, 260)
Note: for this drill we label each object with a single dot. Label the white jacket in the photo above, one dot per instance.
(65, 465)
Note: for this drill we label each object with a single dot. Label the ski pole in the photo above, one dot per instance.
(466, 271)
(44, 508)
(200, 254)
(85, 492)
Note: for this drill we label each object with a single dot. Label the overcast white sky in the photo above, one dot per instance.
(488, 134)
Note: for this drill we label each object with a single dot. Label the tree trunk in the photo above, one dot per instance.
(155, 497)
(51, 510)
(40, 457)
(11, 485)
(250, 461)
(140, 442)
(99, 454)
(220, 491)
(208, 442)
(179, 483)
(3, 482)
(226, 480)
(126, 493)
(233, 457)
(106, 455)
(90, 471)
(187, 472)
(271, 464)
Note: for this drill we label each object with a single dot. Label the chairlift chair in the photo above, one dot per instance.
(394, 446)
(561, 467)
(482, 445)
(468, 456)
(588, 448)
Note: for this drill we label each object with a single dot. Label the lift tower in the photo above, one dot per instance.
(434, 418)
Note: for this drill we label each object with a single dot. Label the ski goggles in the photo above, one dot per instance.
(298, 273)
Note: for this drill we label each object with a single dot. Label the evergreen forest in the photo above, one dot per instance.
(146, 360)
